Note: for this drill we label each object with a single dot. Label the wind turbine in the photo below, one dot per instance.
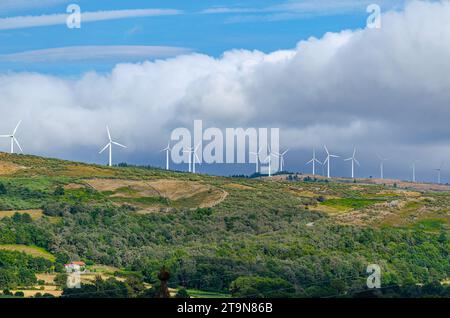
(313, 161)
(13, 138)
(353, 159)
(109, 144)
(189, 150)
(167, 150)
(281, 158)
(382, 160)
(327, 160)
(439, 172)
(413, 165)
(269, 160)
(256, 154)
(194, 155)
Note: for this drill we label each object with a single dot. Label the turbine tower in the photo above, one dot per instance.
(439, 172)
(256, 154)
(413, 166)
(327, 160)
(167, 150)
(269, 161)
(313, 161)
(189, 151)
(13, 138)
(354, 160)
(281, 158)
(194, 156)
(382, 160)
(109, 145)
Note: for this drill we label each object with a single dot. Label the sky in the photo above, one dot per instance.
(311, 68)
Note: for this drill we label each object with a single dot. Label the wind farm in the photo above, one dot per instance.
(238, 150)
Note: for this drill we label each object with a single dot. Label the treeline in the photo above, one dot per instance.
(19, 269)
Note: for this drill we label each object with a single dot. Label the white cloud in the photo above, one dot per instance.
(83, 53)
(382, 90)
(20, 22)
(298, 9)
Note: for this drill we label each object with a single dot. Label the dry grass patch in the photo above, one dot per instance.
(238, 186)
(7, 168)
(49, 279)
(80, 170)
(35, 214)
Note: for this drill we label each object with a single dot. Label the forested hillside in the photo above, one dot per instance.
(292, 236)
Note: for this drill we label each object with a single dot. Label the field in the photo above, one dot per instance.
(30, 250)
(218, 237)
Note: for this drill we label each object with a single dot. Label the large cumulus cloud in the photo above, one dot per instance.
(385, 90)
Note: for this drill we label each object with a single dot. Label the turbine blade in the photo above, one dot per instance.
(109, 134)
(357, 162)
(5, 136)
(334, 156)
(105, 147)
(318, 161)
(117, 144)
(17, 126)
(348, 159)
(326, 149)
(310, 161)
(17, 143)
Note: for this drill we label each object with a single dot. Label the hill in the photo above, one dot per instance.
(282, 236)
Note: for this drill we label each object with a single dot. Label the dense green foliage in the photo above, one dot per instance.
(19, 269)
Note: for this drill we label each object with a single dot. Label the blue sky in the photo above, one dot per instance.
(209, 27)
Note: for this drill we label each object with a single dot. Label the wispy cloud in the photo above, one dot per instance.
(20, 22)
(82, 53)
(296, 9)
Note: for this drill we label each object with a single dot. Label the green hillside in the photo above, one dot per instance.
(289, 236)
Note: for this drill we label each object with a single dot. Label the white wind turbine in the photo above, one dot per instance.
(269, 160)
(189, 151)
(313, 161)
(280, 157)
(13, 138)
(354, 160)
(167, 150)
(413, 166)
(382, 160)
(257, 154)
(439, 172)
(109, 144)
(194, 156)
(327, 160)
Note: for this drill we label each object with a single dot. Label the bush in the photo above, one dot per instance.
(59, 190)
(261, 287)
(19, 294)
(182, 293)
(2, 189)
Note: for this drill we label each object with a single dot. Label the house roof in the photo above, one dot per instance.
(79, 263)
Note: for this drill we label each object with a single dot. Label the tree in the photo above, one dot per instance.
(3, 189)
(182, 293)
(261, 287)
(59, 190)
